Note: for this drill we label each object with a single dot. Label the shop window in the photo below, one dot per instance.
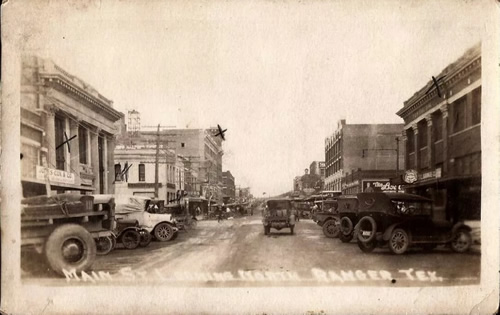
(142, 172)
(476, 106)
(459, 114)
(83, 144)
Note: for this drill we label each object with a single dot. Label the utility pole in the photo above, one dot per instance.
(157, 158)
(397, 164)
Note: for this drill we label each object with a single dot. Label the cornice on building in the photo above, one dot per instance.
(469, 62)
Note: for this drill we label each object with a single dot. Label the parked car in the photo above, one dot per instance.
(278, 214)
(401, 221)
(327, 216)
(147, 212)
(347, 207)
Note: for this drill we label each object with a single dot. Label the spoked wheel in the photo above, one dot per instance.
(399, 241)
(367, 247)
(331, 228)
(130, 239)
(104, 245)
(164, 232)
(146, 238)
(462, 241)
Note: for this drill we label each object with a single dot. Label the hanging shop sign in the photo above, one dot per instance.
(55, 176)
(410, 176)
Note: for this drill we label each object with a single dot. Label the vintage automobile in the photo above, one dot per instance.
(148, 214)
(64, 227)
(347, 207)
(181, 216)
(278, 214)
(327, 216)
(401, 221)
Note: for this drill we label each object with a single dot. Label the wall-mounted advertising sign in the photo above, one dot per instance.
(383, 185)
(55, 176)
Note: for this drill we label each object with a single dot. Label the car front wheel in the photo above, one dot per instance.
(399, 241)
(462, 241)
(331, 229)
(164, 232)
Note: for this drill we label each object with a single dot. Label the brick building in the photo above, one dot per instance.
(354, 147)
(68, 131)
(443, 139)
(228, 186)
(317, 168)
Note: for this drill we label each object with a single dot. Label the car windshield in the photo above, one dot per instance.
(413, 207)
(278, 204)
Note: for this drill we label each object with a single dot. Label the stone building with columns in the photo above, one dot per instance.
(68, 132)
(442, 134)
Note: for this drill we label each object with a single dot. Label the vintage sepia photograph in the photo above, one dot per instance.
(250, 157)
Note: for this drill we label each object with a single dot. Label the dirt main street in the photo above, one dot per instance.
(237, 253)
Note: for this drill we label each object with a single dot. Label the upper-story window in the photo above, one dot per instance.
(59, 134)
(410, 144)
(437, 126)
(476, 106)
(142, 172)
(422, 134)
(458, 119)
(83, 144)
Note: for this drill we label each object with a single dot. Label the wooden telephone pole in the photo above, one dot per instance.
(157, 158)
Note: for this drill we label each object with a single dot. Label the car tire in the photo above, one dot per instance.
(346, 226)
(345, 238)
(331, 228)
(130, 239)
(399, 241)
(104, 245)
(61, 245)
(367, 247)
(146, 238)
(462, 241)
(164, 232)
(373, 229)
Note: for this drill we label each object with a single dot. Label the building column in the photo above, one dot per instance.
(105, 172)
(74, 156)
(50, 138)
(444, 111)
(415, 147)
(430, 142)
(111, 164)
(94, 159)
(403, 144)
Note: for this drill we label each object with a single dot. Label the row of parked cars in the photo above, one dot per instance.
(395, 220)
(71, 229)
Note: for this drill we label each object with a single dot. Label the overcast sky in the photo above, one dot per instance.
(277, 74)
